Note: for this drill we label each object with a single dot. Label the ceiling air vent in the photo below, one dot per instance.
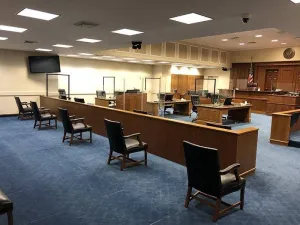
(30, 42)
(234, 38)
(86, 24)
(252, 42)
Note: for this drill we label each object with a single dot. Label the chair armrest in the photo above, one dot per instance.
(44, 110)
(72, 117)
(41, 108)
(77, 120)
(136, 136)
(25, 103)
(229, 169)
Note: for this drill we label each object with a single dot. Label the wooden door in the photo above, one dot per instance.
(297, 83)
(286, 78)
(174, 82)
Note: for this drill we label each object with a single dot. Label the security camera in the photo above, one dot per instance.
(246, 17)
(136, 44)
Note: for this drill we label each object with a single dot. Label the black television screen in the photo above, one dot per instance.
(44, 64)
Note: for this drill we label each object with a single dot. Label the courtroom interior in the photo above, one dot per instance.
(149, 113)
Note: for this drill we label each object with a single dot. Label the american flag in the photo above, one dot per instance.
(250, 77)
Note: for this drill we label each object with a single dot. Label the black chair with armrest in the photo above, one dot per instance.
(124, 145)
(80, 100)
(219, 126)
(74, 126)
(294, 119)
(195, 101)
(24, 112)
(43, 115)
(62, 94)
(6, 207)
(204, 174)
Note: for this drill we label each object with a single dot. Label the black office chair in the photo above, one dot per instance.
(162, 97)
(195, 101)
(24, 112)
(294, 120)
(74, 126)
(124, 145)
(219, 126)
(80, 100)
(43, 115)
(6, 207)
(204, 174)
(62, 94)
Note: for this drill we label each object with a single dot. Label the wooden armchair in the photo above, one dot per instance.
(74, 126)
(43, 115)
(124, 145)
(205, 176)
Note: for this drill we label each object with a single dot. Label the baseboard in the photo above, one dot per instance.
(8, 115)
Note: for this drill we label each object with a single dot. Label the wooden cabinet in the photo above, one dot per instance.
(184, 83)
(297, 81)
(132, 101)
(271, 79)
(285, 79)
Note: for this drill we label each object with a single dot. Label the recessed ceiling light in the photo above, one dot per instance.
(242, 44)
(128, 32)
(274, 40)
(163, 62)
(3, 38)
(44, 50)
(108, 56)
(190, 18)
(147, 60)
(118, 60)
(283, 43)
(133, 61)
(72, 55)
(295, 1)
(12, 29)
(62, 46)
(224, 39)
(88, 40)
(258, 35)
(37, 14)
(85, 54)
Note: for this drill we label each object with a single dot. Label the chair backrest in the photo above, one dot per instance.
(219, 126)
(195, 99)
(115, 136)
(61, 91)
(63, 97)
(140, 111)
(19, 104)
(203, 168)
(36, 111)
(294, 118)
(81, 100)
(65, 118)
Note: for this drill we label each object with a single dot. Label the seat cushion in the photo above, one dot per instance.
(6, 204)
(133, 145)
(80, 127)
(27, 109)
(48, 116)
(230, 184)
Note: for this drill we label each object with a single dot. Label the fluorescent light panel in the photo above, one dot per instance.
(258, 35)
(274, 40)
(44, 50)
(12, 29)
(295, 1)
(85, 54)
(133, 61)
(224, 39)
(283, 43)
(128, 32)
(163, 62)
(3, 38)
(88, 40)
(62, 46)
(242, 43)
(148, 60)
(37, 14)
(191, 18)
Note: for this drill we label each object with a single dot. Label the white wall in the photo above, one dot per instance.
(86, 77)
(222, 79)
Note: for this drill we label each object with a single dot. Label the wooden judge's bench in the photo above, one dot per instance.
(268, 102)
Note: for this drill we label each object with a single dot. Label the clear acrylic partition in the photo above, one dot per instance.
(151, 86)
(134, 98)
(164, 89)
(114, 88)
(210, 85)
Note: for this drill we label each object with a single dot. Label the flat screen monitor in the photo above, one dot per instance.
(44, 64)
(169, 97)
(227, 101)
(101, 94)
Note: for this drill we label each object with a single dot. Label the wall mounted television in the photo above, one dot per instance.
(44, 64)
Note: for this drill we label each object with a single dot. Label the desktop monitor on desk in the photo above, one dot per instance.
(227, 101)
(169, 97)
(101, 94)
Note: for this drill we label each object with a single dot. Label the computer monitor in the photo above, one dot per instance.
(227, 101)
(169, 97)
(101, 94)
(133, 91)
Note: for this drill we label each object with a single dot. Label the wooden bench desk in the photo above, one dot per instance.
(183, 107)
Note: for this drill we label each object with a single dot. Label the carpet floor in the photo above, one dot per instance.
(52, 183)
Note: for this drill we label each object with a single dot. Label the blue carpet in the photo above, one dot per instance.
(54, 184)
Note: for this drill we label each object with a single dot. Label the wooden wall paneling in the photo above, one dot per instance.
(174, 82)
(167, 144)
(260, 77)
(297, 79)
(194, 54)
(156, 49)
(182, 84)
